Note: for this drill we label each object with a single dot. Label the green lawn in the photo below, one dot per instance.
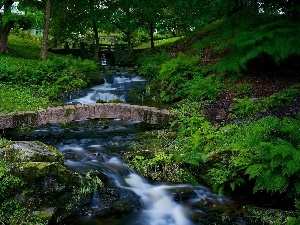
(158, 42)
(14, 98)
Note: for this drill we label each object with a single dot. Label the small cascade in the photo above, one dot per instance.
(115, 87)
(159, 207)
(89, 145)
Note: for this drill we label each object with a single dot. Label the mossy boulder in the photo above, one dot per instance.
(257, 215)
(40, 170)
(30, 151)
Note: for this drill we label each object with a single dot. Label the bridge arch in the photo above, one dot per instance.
(67, 113)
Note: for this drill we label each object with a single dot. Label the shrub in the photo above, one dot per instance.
(249, 106)
(54, 76)
(175, 73)
(151, 64)
(266, 151)
(202, 88)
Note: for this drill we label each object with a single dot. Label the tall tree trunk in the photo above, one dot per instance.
(129, 42)
(96, 35)
(5, 27)
(151, 34)
(46, 31)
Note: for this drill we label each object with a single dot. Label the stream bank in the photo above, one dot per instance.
(108, 198)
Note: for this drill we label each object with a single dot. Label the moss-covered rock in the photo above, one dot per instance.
(40, 183)
(39, 170)
(257, 216)
(27, 151)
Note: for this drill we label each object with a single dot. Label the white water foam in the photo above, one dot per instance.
(159, 207)
(107, 91)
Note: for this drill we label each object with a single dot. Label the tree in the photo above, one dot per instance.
(43, 5)
(151, 12)
(6, 23)
(123, 16)
(46, 31)
(72, 19)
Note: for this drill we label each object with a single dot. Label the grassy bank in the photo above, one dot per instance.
(27, 83)
(236, 92)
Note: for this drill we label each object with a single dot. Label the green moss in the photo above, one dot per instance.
(17, 152)
(115, 101)
(25, 119)
(100, 101)
(256, 215)
(69, 112)
(38, 170)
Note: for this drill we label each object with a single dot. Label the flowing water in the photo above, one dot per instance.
(114, 87)
(93, 144)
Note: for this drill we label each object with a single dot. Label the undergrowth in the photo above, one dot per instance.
(53, 77)
(249, 106)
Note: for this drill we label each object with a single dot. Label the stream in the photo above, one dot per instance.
(99, 145)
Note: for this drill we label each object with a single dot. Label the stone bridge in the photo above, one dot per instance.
(67, 113)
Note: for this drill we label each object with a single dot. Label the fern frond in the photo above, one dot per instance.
(271, 181)
(256, 170)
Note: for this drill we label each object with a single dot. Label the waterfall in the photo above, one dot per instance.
(115, 88)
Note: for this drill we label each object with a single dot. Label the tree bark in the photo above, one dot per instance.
(96, 35)
(46, 31)
(151, 34)
(5, 27)
(129, 42)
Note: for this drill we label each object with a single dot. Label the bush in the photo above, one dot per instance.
(54, 76)
(175, 73)
(249, 106)
(151, 64)
(266, 151)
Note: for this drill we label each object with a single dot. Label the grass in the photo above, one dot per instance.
(26, 48)
(158, 42)
(14, 98)
(23, 52)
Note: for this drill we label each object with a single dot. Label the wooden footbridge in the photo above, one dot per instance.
(113, 53)
(67, 113)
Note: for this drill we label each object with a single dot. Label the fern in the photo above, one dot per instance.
(256, 170)
(273, 181)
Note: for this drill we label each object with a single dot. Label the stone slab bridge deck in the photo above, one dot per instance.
(67, 113)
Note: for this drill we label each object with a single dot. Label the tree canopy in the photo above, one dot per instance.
(72, 19)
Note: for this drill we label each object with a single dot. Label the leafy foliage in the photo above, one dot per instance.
(239, 42)
(54, 76)
(11, 211)
(249, 106)
(264, 150)
(195, 134)
(151, 64)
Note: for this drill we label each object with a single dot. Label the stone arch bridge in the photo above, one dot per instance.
(67, 113)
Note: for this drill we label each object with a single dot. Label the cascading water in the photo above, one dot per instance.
(90, 145)
(116, 86)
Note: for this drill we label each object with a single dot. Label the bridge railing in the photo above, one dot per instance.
(109, 47)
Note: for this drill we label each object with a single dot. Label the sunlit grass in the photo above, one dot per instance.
(26, 48)
(158, 42)
(15, 98)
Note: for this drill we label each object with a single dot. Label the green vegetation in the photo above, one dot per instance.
(11, 211)
(158, 43)
(15, 98)
(262, 155)
(266, 151)
(249, 106)
(29, 84)
(193, 73)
